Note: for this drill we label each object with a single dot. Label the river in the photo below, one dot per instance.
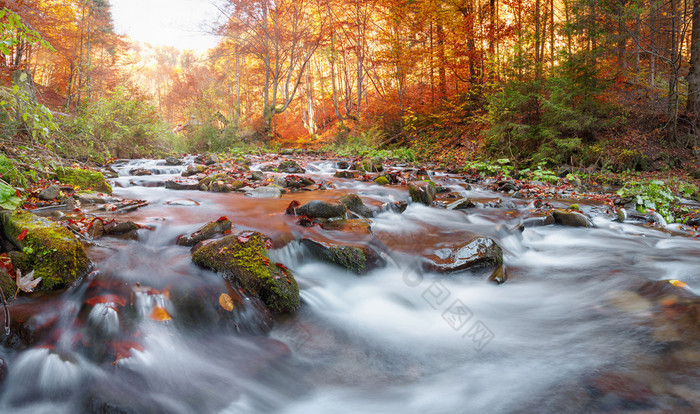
(569, 332)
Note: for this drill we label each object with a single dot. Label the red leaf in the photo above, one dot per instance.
(292, 208)
(222, 218)
(22, 235)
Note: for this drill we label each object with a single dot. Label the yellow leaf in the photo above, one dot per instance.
(677, 283)
(160, 314)
(226, 302)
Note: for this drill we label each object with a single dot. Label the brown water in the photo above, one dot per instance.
(395, 340)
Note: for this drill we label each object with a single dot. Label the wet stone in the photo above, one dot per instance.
(478, 252)
(354, 203)
(51, 192)
(321, 209)
(206, 232)
(462, 204)
(571, 219)
(422, 192)
(290, 167)
(173, 161)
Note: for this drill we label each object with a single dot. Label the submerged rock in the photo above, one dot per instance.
(478, 252)
(352, 225)
(422, 192)
(242, 259)
(206, 232)
(270, 191)
(321, 209)
(85, 179)
(355, 258)
(52, 251)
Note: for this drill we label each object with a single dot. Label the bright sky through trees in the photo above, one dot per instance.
(178, 23)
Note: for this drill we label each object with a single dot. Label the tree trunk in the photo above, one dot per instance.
(694, 70)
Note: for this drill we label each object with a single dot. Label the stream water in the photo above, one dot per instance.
(397, 339)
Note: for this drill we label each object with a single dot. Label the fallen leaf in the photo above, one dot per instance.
(22, 234)
(677, 283)
(226, 302)
(160, 314)
(27, 283)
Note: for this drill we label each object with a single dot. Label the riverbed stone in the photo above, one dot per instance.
(193, 169)
(354, 203)
(172, 161)
(356, 258)
(461, 204)
(290, 167)
(477, 252)
(51, 250)
(321, 209)
(422, 192)
(270, 191)
(182, 184)
(344, 174)
(571, 219)
(50, 193)
(85, 179)
(243, 261)
(205, 232)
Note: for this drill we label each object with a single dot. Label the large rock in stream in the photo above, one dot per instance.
(422, 192)
(476, 253)
(321, 209)
(243, 262)
(356, 258)
(52, 251)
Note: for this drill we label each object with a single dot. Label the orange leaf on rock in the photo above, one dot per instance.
(22, 234)
(226, 302)
(160, 314)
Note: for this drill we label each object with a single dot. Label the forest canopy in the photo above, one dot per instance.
(546, 81)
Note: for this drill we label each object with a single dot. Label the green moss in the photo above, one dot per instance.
(7, 284)
(246, 264)
(84, 179)
(52, 251)
(349, 257)
(381, 180)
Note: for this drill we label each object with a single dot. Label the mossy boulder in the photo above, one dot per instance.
(381, 180)
(422, 192)
(7, 284)
(52, 251)
(358, 258)
(344, 174)
(86, 179)
(354, 203)
(242, 259)
(368, 165)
